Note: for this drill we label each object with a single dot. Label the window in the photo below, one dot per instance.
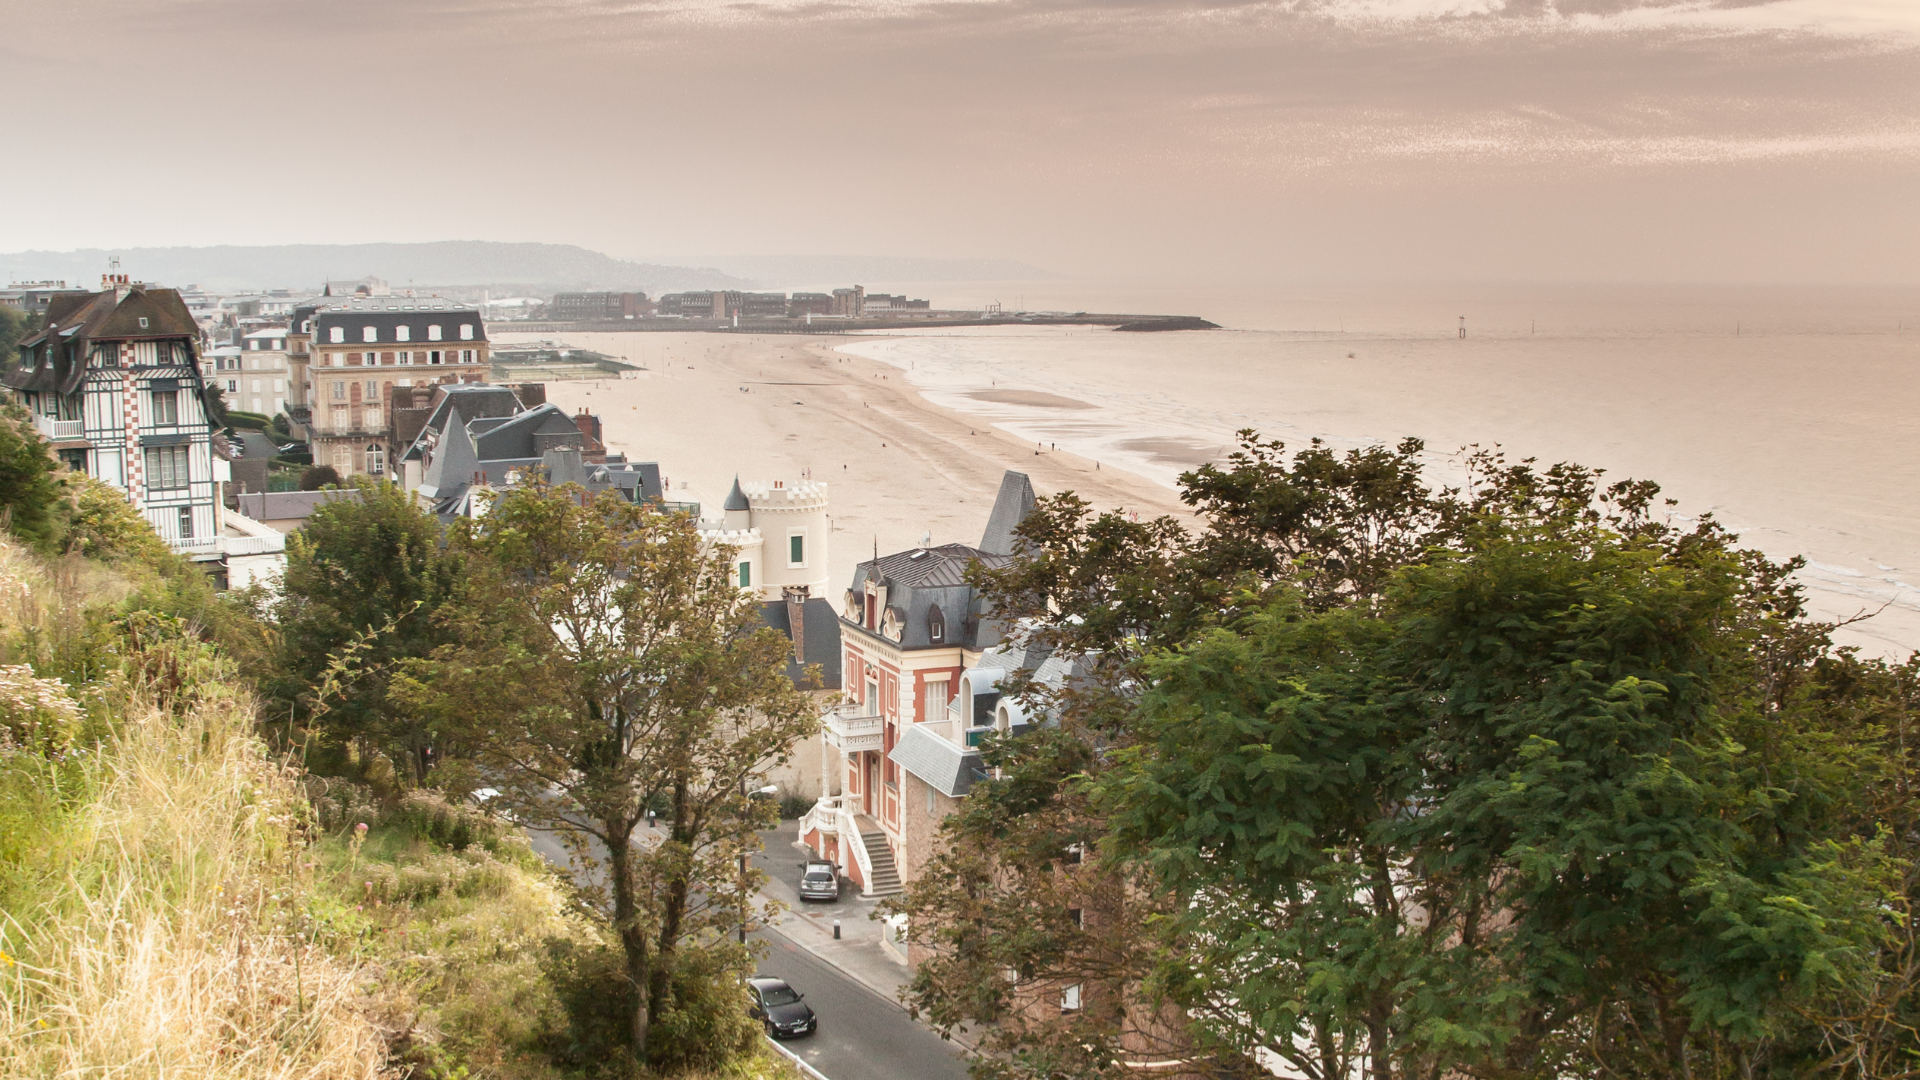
(143, 322)
(373, 390)
(433, 357)
(376, 460)
(746, 575)
(336, 359)
(466, 331)
(403, 332)
(253, 345)
(433, 332)
(406, 358)
(373, 418)
(466, 356)
(1070, 999)
(166, 406)
(166, 468)
(369, 333)
(872, 700)
(343, 459)
(797, 549)
(186, 523)
(233, 386)
(933, 702)
(339, 391)
(337, 335)
(279, 386)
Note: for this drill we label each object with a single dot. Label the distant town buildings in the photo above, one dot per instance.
(33, 297)
(598, 306)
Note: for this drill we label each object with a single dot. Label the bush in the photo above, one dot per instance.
(106, 526)
(794, 806)
(247, 421)
(319, 476)
(31, 502)
(707, 1026)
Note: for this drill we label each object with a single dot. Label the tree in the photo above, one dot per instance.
(317, 477)
(603, 662)
(31, 498)
(365, 574)
(1512, 780)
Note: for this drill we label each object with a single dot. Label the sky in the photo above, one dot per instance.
(1300, 140)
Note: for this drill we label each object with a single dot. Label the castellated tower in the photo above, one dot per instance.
(781, 531)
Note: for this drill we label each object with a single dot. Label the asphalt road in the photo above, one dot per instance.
(862, 1036)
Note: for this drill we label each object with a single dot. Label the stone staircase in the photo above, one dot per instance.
(886, 876)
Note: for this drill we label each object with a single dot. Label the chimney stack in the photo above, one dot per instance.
(796, 598)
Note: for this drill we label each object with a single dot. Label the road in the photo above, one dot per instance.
(862, 1036)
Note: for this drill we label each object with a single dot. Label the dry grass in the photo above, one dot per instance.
(155, 921)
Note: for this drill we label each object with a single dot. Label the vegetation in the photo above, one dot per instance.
(319, 476)
(602, 663)
(1370, 778)
(189, 885)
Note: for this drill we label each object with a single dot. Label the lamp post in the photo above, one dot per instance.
(745, 794)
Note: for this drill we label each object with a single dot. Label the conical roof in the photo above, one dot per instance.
(736, 499)
(1012, 505)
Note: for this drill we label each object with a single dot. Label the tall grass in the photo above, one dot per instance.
(154, 897)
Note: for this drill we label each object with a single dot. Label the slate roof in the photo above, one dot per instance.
(1010, 507)
(282, 505)
(473, 401)
(76, 320)
(950, 768)
(387, 319)
(821, 637)
(737, 499)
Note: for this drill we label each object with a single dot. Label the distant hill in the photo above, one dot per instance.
(789, 271)
(548, 267)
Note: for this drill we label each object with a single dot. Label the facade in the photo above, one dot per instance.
(114, 383)
(598, 306)
(850, 303)
(915, 702)
(803, 304)
(260, 384)
(355, 354)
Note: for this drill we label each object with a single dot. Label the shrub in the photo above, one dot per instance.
(319, 476)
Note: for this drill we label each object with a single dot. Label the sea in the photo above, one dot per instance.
(1791, 414)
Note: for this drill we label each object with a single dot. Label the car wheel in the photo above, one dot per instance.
(772, 1032)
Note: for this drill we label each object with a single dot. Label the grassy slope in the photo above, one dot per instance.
(176, 903)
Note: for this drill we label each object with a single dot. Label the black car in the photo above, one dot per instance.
(780, 1007)
(819, 880)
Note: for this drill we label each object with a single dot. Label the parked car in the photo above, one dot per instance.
(819, 880)
(781, 1008)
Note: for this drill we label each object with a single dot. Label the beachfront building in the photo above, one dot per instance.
(114, 383)
(916, 702)
(598, 306)
(358, 349)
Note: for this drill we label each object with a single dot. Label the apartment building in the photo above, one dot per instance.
(357, 350)
(598, 306)
(260, 383)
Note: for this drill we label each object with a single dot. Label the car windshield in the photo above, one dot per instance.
(819, 875)
(779, 995)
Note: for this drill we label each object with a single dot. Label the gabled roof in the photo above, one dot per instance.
(75, 321)
(473, 401)
(821, 638)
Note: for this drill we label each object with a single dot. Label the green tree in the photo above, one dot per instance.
(603, 662)
(1511, 780)
(32, 502)
(319, 476)
(365, 576)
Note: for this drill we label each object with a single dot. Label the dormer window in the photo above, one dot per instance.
(433, 332)
(143, 322)
(936, 625)
(403, 332)
(337, 334)
(369, 333)
(466, 331)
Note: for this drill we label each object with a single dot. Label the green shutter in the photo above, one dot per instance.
(746, 575)
(796, 549)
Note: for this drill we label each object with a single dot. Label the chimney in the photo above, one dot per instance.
(796, 598)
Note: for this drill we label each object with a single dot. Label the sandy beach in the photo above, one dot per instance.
(897, 466)
(1804, 441)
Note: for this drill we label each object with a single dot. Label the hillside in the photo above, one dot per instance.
(546, 267)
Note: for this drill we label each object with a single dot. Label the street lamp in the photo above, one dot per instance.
(745, 794)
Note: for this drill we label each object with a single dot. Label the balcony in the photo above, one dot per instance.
(210, 546)
(59, 430)
(850, 730)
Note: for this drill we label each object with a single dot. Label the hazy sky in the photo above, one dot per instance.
(1409, 139)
